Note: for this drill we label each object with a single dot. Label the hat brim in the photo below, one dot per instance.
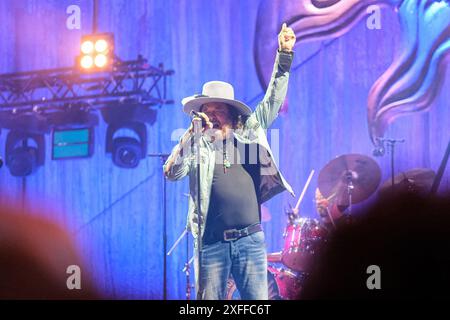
(196, 103)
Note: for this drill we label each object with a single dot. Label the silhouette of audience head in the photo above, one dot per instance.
(35, 255)
(406, 236)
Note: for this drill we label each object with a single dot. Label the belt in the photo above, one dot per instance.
(234, 234)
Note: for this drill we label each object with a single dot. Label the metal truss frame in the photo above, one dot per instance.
(53, 89)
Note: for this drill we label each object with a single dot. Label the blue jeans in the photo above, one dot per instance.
(245, 259)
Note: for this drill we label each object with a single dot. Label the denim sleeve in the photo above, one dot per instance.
(267, 110)
(181, 163)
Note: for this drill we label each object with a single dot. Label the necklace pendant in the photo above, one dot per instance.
(226, 163)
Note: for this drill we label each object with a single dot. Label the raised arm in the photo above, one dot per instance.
(267, 110)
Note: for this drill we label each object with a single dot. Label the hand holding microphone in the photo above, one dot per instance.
(199, 122)
(196, 118)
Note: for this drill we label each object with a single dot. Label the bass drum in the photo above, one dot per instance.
(282, 284)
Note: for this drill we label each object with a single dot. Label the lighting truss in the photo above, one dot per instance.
(52, 89)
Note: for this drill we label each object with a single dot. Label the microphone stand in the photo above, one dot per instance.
(186, 268)
(197, 124)
(163, 157)
(188, 271)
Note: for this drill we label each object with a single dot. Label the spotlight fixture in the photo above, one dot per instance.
(96, 52)
(25, 142)
(25, 152)
(126, 136)
(127, 143)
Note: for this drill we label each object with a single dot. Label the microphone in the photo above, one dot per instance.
(197, 126)
(195, 114)
(379, 150)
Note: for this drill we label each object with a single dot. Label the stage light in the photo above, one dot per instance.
(73, 131)
(101, 45)
(25, 142)
(96, 52)
(100, 60)
(25, 152)
(87, 62)
(127, 143)
(87, 47)
(72, 143)
(126, 136)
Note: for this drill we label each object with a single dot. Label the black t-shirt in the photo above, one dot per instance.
(234, 201)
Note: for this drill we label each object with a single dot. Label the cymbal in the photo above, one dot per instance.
(362, 171)
(417, 180)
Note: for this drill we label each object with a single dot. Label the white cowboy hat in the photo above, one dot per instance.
(214, 91)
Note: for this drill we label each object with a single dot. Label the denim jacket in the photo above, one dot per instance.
(254, 131)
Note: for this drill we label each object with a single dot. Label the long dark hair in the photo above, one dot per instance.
(237, 117)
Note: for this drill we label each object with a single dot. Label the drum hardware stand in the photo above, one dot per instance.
(163, 157)
(440, 173)
(391, 145)
(350, 187)
(187, 271)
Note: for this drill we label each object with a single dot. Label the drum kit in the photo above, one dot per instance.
(345, 180)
